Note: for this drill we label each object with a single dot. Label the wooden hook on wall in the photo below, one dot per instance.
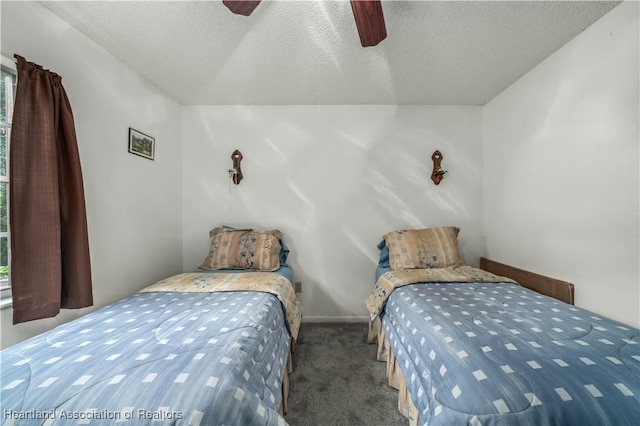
(236, 171)
(438, 172)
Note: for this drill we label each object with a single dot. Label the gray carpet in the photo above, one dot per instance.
(336, 379)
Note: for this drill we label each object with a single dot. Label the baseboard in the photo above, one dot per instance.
(334, 319)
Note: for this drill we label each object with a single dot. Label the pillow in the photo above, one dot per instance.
(284, 253)
(284, 250)
(384, 255)
(423, 248)
(243, 249)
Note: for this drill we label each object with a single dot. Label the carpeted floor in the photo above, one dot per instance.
(336, 379)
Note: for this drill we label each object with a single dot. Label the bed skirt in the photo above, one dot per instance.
(394, 374)
(285, 381)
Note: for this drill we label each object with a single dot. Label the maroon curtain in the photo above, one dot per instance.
(50, 265)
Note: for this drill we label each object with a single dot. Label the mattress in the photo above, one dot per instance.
(157, 357)
(482, 353)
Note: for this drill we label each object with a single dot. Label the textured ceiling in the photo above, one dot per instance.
(308, 52)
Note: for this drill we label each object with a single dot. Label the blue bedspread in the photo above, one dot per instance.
(154, 358)
(484, 353)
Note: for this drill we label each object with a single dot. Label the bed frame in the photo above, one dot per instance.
(557, 289)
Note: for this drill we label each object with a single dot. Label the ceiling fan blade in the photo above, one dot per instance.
(369, 21)
(241, 7)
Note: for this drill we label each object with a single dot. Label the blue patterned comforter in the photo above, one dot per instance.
(154, 358)
(484, 353)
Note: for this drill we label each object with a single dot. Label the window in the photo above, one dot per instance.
(7, 92)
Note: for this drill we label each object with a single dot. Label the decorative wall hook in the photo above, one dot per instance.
(438, 172)
(235, 173)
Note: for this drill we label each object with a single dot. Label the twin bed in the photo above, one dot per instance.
(205, 348)
(466, 347)
(463, 345)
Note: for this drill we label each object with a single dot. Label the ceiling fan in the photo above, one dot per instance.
(367, 13)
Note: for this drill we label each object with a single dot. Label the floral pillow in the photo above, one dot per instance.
(249, 249)
(423, 248)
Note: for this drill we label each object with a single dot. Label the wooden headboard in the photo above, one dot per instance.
(557, 289)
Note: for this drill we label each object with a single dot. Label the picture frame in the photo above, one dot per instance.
(142, 144)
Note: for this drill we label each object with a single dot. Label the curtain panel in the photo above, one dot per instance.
(50, 264)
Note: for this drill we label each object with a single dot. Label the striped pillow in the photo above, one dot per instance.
(248, 249)
(423, 248)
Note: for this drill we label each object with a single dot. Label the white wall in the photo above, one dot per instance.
(561, 191)
(133, 204)
(334, 179)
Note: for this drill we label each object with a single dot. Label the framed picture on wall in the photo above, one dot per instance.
(141, 144)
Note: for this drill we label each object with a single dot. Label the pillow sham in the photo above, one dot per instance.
(284, 250)
(423, 248)
(249, 249)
